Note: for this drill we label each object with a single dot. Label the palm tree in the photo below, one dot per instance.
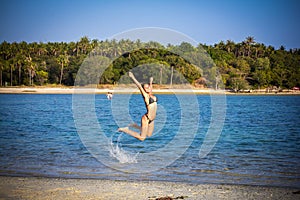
(83, 45)
(229, 45)
(19, 61)
(248, 42)
(12, 60)
(2, 65)
(30, 68)
(220, 46)
(115, 48)
(41, 50)
(63, 60)
(12, 67)
(241, 49)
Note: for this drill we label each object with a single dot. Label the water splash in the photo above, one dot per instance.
(123, 156)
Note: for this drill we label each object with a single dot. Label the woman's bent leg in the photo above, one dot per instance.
(134, 125)
(144, 130)
(150, 129)
(131, 132)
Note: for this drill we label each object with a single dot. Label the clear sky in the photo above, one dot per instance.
(272, 22)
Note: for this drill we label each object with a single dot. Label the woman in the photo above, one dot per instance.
(147, 121)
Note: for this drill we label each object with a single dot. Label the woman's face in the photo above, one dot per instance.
(147, 88)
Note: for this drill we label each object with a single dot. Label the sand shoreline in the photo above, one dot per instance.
(125, 90)
(59, 188)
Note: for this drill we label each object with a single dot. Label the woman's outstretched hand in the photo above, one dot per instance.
(130, 74)
(151, 79)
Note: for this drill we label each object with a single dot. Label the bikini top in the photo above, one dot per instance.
(151, 100)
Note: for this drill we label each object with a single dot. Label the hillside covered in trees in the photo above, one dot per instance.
(244, 65)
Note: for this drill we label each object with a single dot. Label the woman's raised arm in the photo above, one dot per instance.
(138, 84)
(150, 82)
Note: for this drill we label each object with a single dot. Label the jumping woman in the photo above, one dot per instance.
(147, 121)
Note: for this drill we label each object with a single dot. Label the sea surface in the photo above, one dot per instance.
(49, 136)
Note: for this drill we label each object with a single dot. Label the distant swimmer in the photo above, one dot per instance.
(147, 121)
(109, 95)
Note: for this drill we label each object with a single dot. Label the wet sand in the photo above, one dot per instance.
(53, 188)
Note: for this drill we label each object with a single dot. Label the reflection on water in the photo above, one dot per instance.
(259, 144)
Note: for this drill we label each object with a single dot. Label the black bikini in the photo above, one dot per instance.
(151, 100)
(149, 120)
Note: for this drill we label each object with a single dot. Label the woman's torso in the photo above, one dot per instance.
(151, 105)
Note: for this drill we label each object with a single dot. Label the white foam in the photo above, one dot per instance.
(120, 154)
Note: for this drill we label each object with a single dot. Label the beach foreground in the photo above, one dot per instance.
(56, 188)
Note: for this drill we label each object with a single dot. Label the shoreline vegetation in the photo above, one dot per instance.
(59, 188)
(129, 89)
(246, 65)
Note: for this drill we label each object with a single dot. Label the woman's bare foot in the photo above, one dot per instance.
(132, 133)
(124, 129)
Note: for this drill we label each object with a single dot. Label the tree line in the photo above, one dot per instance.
(243, 65)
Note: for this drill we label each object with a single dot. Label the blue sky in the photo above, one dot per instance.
(272, 22)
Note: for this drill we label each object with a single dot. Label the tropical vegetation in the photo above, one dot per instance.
(243, 65)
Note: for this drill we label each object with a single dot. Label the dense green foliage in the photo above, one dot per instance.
(242, 65)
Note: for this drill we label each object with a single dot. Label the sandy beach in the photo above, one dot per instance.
(126, 90)
(71, 90)
(54, 188)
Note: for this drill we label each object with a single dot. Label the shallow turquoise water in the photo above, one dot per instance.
(259, 143)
